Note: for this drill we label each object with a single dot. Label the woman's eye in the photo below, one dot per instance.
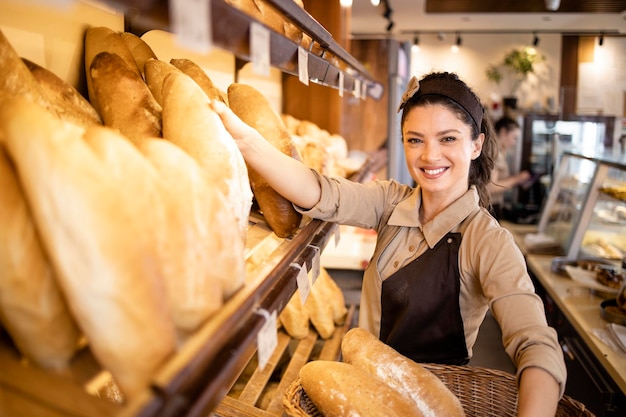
(448, 139)
(413, 140)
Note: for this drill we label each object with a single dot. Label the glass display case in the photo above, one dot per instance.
(585, 212)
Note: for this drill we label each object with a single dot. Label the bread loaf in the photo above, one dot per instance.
(254, 109)
(203, 253)
(99, 223)
(155, 72)
(294, 317)
(190, 123)
(102, 39)
(362, 349)
(140, 50)
(63, 98)
(339, 389)
(126, 103)
(201, 78)
(319, 310)
(32, 308)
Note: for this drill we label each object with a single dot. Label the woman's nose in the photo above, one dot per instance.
(431, 152)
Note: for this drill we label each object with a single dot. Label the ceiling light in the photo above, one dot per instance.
(390, 26)
(459, 41)
(375, 2)
(601, 39)
(416, 44)
(345, 3)
(553, 5)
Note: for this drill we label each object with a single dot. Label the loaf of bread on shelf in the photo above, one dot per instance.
(140, 50)
(255, 110)
(196, 73)
(63, 98)
(103, 39)
(100, 221)
(294, 318)
(340, 389)
(155, 72)
(202, 252)
(416, 383)
(32, 307)
(190, 123)
(126, 103)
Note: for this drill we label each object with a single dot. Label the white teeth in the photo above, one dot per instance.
(434, 171)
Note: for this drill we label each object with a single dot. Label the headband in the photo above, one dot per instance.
(455, 91)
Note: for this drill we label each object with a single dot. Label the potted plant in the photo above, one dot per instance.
(514, 67)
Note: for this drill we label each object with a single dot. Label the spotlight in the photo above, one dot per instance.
(390, 26)
(601, 39)
(535, 40)
(459, 41)
(388, 12)
(416, 44)
(375, 2)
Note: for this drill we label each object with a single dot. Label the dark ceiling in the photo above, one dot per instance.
(523, 6)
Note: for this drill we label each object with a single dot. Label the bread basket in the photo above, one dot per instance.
(483, 393)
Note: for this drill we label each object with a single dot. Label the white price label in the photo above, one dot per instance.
(341, 80)
(267, 338)
(191, 23)
(315, 264)
(260, 49)
(303, 65)
(303, 282)
(357, 88)
(337, 235)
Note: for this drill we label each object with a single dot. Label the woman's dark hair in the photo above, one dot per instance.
(481, 167)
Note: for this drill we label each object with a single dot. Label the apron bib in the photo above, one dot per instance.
(421, 317)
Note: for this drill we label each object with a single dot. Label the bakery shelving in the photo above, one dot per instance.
(230, 30)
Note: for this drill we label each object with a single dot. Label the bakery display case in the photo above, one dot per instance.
(198, 377)
(585, 212)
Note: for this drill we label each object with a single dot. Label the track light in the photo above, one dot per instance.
(459, 41)
(416, 44)
(601, 39)
(535, 39)
(390, 26)
(388, 12)
(375, 2)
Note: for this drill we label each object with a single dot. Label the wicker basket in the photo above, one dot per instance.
(483, 393)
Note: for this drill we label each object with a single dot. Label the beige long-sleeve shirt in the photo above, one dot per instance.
(493, 269)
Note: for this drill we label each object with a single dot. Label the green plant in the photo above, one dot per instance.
(515, 67)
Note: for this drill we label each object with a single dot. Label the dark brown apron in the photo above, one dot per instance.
(421, 317)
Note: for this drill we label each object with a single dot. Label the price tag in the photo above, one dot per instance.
(260, 48)
(191, 23)
(357, 88)
(303, 65)
(363, 91)
(337, 236)
(267, 338)
(341, 80)
(302, 280)
(315, 264)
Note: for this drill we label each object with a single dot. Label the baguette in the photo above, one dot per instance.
(63, 98)
(155, 72)
(139, 49)
(294, 317)
(362, 349)
(197, 74)
(339, 389)
(254, 109)
(126, 103)
(205, 256)
(32, 308)
(99, 220)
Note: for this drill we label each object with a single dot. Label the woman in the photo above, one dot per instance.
(441, 260)
(507, 133)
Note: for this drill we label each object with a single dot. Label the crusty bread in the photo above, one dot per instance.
(334, 296)
(362, 349)
(197, 74)
(294, 317)
(140, 50)
(204, 255)
(155, 72)
(254, 109)
(339, 389)
(64, 99)
(103, 39)
(32, 308)
(100, 224)
(190, 123)
(126, 103)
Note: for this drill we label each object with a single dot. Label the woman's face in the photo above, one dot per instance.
(439, 150)
(508, 138)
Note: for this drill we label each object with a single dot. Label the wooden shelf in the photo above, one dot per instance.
(230, 29)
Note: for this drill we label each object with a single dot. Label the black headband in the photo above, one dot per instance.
(454, 90)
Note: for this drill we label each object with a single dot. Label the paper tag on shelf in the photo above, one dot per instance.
(267, 338)
(357, 88)
(341, 79)
(303, 282)
(303, 65)
(260, 49)
(315, 264)
(191, 23)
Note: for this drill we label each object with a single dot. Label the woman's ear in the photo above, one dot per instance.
(477, 146)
